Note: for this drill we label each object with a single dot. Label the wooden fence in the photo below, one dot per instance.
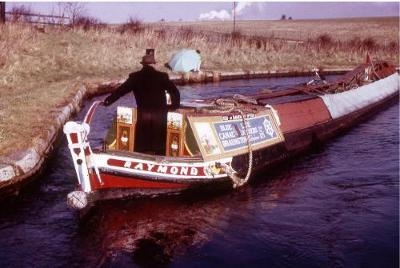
(35, 18)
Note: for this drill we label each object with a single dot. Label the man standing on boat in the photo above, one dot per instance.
(149, 87)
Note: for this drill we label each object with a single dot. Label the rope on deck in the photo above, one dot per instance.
(232, 105)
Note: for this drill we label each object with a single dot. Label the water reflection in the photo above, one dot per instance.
(153, 232)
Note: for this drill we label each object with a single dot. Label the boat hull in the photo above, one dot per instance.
(122, 182)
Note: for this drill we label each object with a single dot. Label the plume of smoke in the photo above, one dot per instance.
(224, 14)
(215, 15)
(241, 5)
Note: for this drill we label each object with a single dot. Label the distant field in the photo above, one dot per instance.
(381, 29)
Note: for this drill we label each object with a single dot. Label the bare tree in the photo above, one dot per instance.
(73, 10)
(22, 14)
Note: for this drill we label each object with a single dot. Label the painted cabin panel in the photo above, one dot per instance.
(300, 115)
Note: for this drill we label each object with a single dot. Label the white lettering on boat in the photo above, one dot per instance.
(127, 164)
(184, 171)
(162, 169)
(150, 167)
(194, 171)
(174, 170)
(179, 170)
(139, 166)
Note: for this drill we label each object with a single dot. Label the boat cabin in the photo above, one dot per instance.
(200, 130)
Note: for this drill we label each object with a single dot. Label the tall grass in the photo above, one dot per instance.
(380, 29)
(39, 70)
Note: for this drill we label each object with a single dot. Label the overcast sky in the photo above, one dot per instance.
(120, 12)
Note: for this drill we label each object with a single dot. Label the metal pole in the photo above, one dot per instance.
(234, 17)
(2, 12)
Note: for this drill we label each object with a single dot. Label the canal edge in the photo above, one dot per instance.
(14, 172)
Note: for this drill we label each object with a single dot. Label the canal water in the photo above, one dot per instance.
(337, 206)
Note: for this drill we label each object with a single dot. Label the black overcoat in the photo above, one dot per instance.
(148, 86)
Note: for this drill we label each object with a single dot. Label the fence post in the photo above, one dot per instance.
(2, 12)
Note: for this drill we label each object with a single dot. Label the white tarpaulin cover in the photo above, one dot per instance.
(349, 101)
(185, 60)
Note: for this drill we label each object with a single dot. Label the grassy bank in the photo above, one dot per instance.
(40, 69)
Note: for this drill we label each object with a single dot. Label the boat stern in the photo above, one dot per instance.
(81, 153)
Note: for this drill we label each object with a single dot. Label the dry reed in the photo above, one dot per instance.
(39, 70)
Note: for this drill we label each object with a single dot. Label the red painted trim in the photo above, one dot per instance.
(116, 181)
(90, 113)
(87, 151)
(74, 137)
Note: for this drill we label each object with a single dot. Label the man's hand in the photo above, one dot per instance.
(175, 107)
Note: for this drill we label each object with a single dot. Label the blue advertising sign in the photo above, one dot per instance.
(232, 135)
(220, 136)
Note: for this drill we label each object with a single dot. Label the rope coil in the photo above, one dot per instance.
(232, 105)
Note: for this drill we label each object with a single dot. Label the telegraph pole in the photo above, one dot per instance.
(234, 17)
(2, 12)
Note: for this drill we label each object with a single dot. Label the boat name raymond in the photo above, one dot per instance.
(163, 169)
(232, 134)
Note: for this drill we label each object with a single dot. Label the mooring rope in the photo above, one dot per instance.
(236, 179)
(232, 106)
(374, 71)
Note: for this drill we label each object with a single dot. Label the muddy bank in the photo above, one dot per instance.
(19, 168)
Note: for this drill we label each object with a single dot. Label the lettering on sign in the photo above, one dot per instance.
(232, 134)
(225, 135)
(236, 116)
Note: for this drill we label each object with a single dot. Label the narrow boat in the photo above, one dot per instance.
(224, 140)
